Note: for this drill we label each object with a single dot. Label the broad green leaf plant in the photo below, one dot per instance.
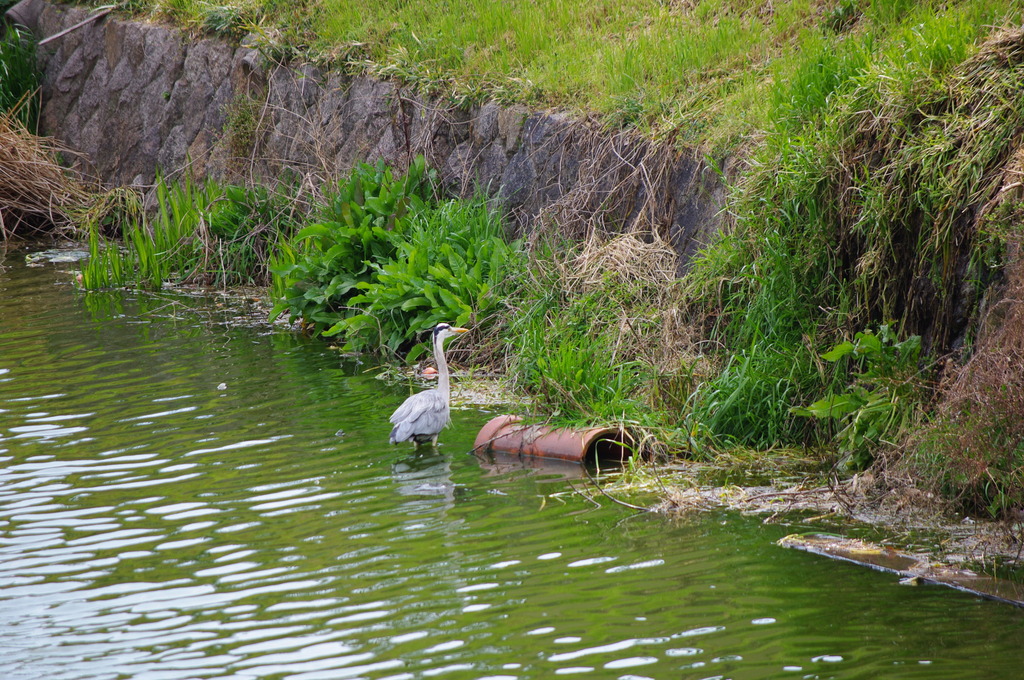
(389, 262)
(883, 399)
(318, 272)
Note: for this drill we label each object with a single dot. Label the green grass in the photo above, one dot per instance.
(568, 354)
(663, 69)
(19, 79)
(708, 73)
(596, 55)
(853, 214)
(201, 233)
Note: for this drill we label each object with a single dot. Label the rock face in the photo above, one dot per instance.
(138, 98)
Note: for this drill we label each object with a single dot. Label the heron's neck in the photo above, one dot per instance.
(442, 367)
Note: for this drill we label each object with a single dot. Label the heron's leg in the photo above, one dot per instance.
(433, 441)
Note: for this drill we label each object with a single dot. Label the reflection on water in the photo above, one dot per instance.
(174, 503)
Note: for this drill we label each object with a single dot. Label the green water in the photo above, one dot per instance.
(175, 504)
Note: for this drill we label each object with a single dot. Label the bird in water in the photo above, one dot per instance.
(422, 416)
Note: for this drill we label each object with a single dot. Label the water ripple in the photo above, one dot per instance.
(156, 527)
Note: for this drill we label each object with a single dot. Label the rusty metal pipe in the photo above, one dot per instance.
(507, 434)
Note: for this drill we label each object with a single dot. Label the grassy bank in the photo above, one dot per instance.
(709, 74)
(871, 230)
(882, 207)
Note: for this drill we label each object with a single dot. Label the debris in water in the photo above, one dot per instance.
(914, 569)
(55, 256)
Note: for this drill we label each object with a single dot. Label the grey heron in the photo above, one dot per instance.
(422, 416)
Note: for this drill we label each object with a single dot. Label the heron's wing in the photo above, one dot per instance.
(415, 404)
(424, 413)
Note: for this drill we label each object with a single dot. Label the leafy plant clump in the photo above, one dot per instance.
(883, 401)
(388, 260)
(452, 264)
(318, 272)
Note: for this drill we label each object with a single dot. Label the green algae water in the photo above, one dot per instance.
(175, 503)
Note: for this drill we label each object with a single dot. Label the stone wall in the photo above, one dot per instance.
(137, 97)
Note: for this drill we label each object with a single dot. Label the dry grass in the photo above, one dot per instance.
(629, 283)
(36, 193)
(622, 183)
(618, 209)
(656, 328)
(634, 257)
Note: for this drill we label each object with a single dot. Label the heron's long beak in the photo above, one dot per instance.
(459, 330)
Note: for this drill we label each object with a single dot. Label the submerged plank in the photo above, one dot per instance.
(912, 568)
